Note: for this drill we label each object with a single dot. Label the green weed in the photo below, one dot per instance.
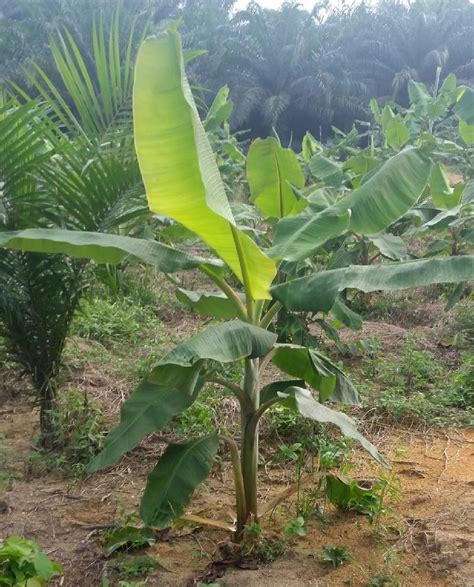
(259, 547)
(23, 563)
(135, 284)
(294, 528)
(113, 323)
(335, 555)
(135, 566)
(127, 538)
(415, 387)
(79, 422)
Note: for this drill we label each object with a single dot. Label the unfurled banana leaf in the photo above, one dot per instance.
(346, 316)
(379, 202)
(270, 171)
(226, 342)
(149, 409)
(392, 190)
(465, 106)
(298, 238)
(390, 246)
(178, 167)
(316, 293)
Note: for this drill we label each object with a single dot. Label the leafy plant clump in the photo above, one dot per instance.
(335, 555)
(79, 422)
(257, 546)
(23, 564)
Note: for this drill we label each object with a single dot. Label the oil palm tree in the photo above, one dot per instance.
(394, 43)
(66, 160)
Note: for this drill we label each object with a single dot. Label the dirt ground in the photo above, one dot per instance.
(434, 516)
(426, 537)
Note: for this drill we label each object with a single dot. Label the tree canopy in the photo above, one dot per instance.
(288, 69)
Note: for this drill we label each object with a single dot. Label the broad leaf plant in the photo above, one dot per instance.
(249, 288)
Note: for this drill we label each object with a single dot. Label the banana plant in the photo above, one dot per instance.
(182, 181)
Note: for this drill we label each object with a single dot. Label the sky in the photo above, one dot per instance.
(308, 4)
(240, 4)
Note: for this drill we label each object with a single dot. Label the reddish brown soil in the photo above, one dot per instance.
(435, 515)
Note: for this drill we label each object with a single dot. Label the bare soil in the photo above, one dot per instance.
(426, 537)
(433, 545)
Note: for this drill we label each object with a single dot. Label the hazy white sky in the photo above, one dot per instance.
(308, 4)
(240, 4)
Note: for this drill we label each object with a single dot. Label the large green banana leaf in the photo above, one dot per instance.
(465, 106)
(270, 171)
(318, 292)
(225, 343)
(102, 248)
(178, 166)
(173, 481)
(298, 238)
(379, 202)
(388, 194)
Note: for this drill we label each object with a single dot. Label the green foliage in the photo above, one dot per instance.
(296, 527)
(166, 145)
(112, 323)
(259, 547)
(416, 387)
(23, 563)
(127, 538)
(335, 555)
(122, 282)
(458, 329)
(347, 495)
(135, 566)
(79, 424)
(463, 386)
(202, 417)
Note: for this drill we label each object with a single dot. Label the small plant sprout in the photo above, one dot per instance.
(296, 527)
(335, 555)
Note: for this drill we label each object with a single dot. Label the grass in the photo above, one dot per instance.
(113, 323)
(416, 387)
(79, 421)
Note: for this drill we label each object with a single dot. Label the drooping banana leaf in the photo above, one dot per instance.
(171, 484)
(391, 191)
(384, 198)
(102, 248)
(308, 407)
(226, 342)
(318, 372)
(149, 409)
(317, 293)
(174, 383)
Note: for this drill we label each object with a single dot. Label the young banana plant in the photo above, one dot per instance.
(182, 181)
